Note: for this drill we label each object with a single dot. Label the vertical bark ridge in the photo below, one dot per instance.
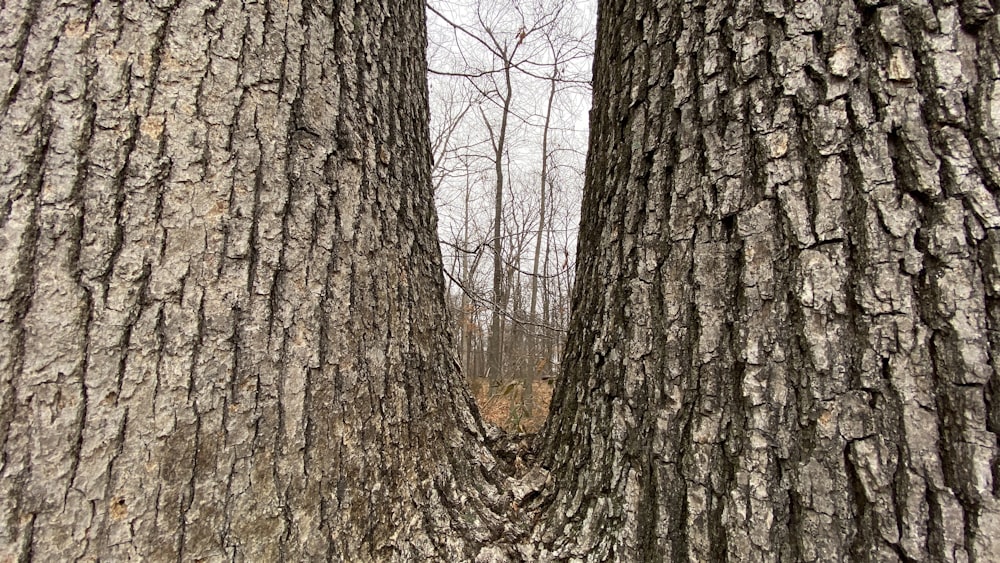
(796, 362)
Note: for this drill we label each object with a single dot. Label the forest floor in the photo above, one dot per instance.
(504, 407)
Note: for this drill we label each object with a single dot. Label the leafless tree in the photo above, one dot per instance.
(506, 51)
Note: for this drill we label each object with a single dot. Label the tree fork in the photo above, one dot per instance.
(224, 306)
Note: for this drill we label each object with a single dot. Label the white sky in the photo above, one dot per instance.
(459, 46)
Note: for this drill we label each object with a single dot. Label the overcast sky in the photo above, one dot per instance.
(466, 80)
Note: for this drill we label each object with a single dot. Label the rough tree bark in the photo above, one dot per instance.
(222, 326)
(785, 338)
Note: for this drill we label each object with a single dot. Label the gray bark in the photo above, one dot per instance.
(784, 343)
(222, 326)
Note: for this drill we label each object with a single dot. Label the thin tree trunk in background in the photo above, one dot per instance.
(788, 295)
(537, 361)
(221, 306)
(547, 319)
(494, 353)
(466, 315)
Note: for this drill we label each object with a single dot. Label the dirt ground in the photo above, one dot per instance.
(504, 407)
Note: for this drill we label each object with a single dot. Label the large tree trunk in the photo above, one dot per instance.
(222, 325)
(787, 308)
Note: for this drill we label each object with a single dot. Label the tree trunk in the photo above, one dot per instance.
(466, 317)
(537, 360)
(788, 296)
(222, 321)
(548, 319)
(494, 353)
(223, 332)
